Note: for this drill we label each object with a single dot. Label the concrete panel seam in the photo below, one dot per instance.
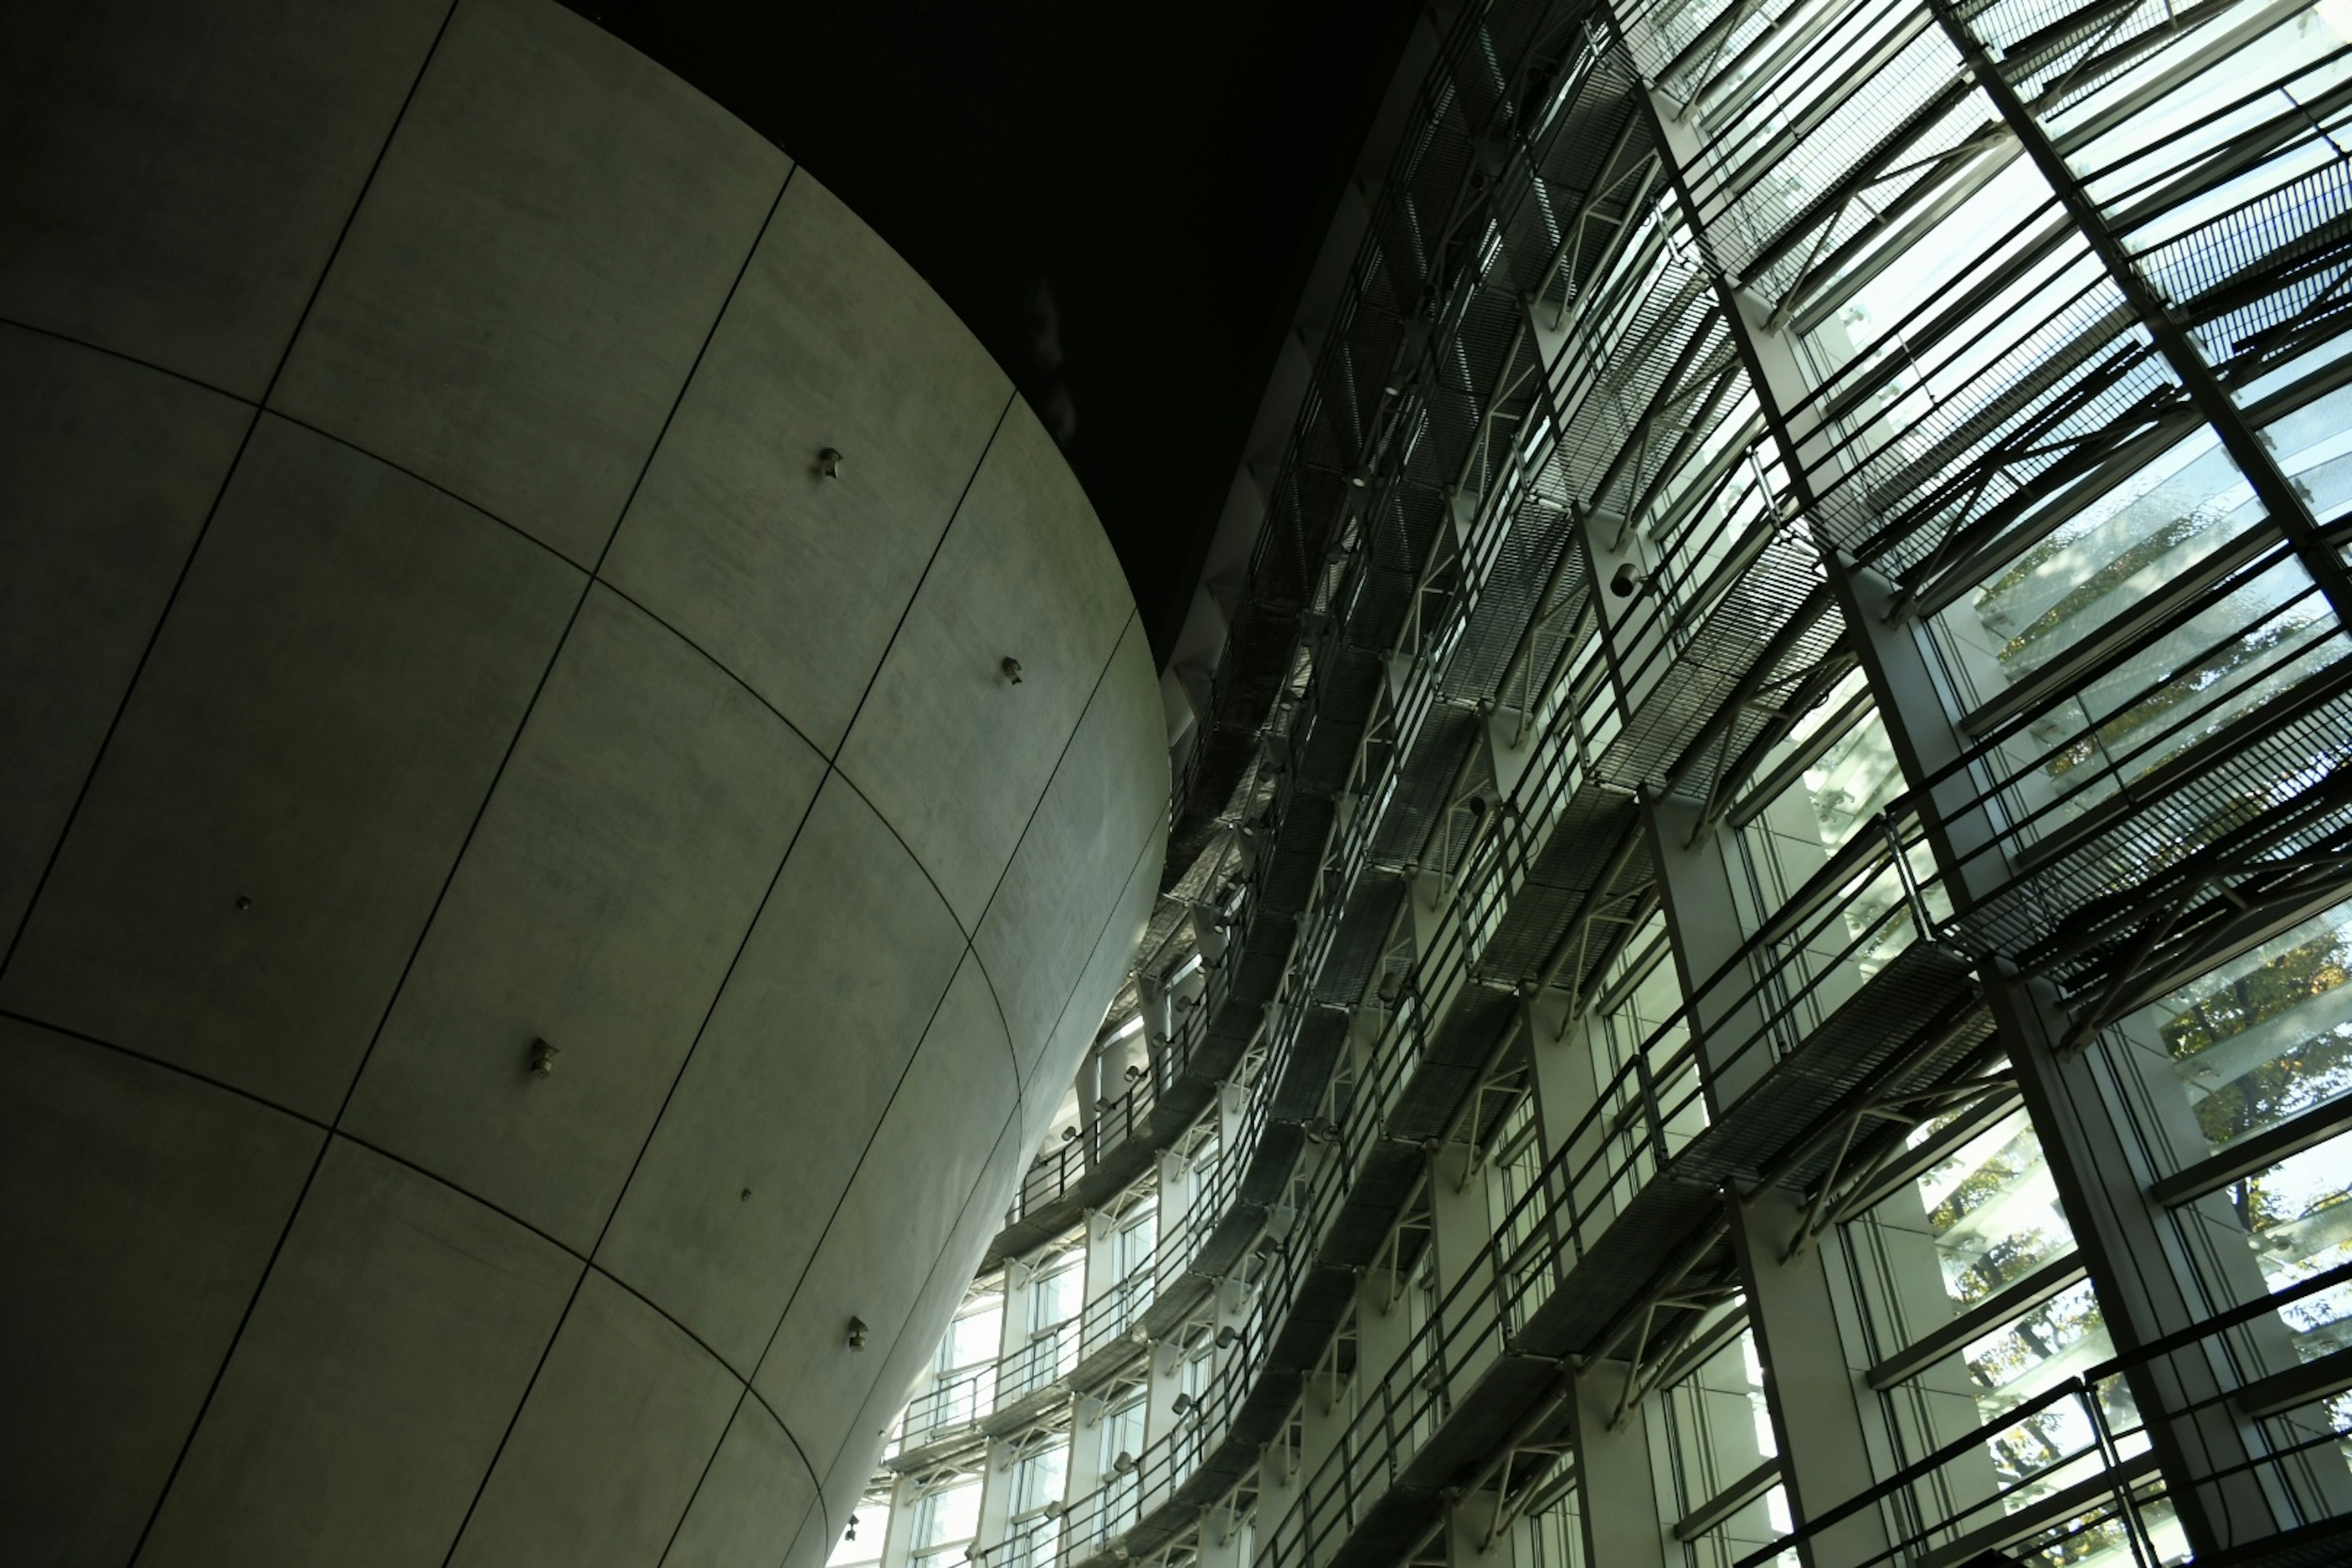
(687, 1059)
(449, 877)
(204, 529)
(138, 670)
(80, 1037)
(245, 1320)
(393, 1157)
(181, 376)
(1117, 642)
(908, 608)
(587, 583)
(937, 891)
(708, 1460)
(1020, 1105)
(816, 1248)
(1011, 1129)
(720, 665)
(435, 486)
(720, 1361)
(816, 1486)
(716, 317)
(515, 1415)
(1019, 1079)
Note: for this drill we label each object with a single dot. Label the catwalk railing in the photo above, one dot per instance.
(1860, 911)
(2010, 391)
(2084, 1476)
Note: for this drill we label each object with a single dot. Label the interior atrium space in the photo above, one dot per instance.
(1706, 924)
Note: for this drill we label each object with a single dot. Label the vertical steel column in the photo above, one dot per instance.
(2134, 1266)
(995, 1495)
(898, 1529)
(1815, 1395)
(1624, 1511)
(1703, 919)
(2080, 1109)
(1824, 1446)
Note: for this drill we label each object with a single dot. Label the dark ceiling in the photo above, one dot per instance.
(1122, 204)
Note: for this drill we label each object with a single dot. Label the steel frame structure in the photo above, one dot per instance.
(1708, 363)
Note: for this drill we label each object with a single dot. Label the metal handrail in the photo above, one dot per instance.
(2082, 1387)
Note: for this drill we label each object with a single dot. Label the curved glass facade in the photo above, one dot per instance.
(1781, 988)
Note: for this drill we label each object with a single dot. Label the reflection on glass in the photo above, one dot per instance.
(945, 1521)
(1718, 1427)
(2256, 1043)
(1977, 1222)
(2129, 543)
(2267, 1036)
(1992, 1211)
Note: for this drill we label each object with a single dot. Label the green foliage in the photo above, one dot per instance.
(2145, 552)
(2312, 1067)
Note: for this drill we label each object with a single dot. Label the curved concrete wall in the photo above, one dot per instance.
(424, 630)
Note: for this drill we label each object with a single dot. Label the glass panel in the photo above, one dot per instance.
(946, 1517)
(1977, 1222)
(2314, 450)
(1555, 1533)
(972, 1337)
(1131, 1246)
(1651, 1000)
(1845, 790)
(2132, 541)
(1122, 1433)
(2296, 1217)
(2230, 657)
(1038, 1478)
(1718, 1429)
(1054, 1296)
(2267, 1036)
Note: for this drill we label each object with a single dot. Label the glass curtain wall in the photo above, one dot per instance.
(1847, 822)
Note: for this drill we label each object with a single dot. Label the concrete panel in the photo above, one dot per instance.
(794, 581)
(315, 815)
(811, 1033)
(616, 870)
(854, 1457)
(550, 239)
(368, 1394)
(622, 1421)
(1110, 786)
(817, 1536)
(138, 1210)
(1046, 1076)
(950, 752)
(322, 717)
(111, 467)
(922, 1170)
(175, 176)
(757, 1494)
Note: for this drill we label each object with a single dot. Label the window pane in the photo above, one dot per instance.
(2267, 1036)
